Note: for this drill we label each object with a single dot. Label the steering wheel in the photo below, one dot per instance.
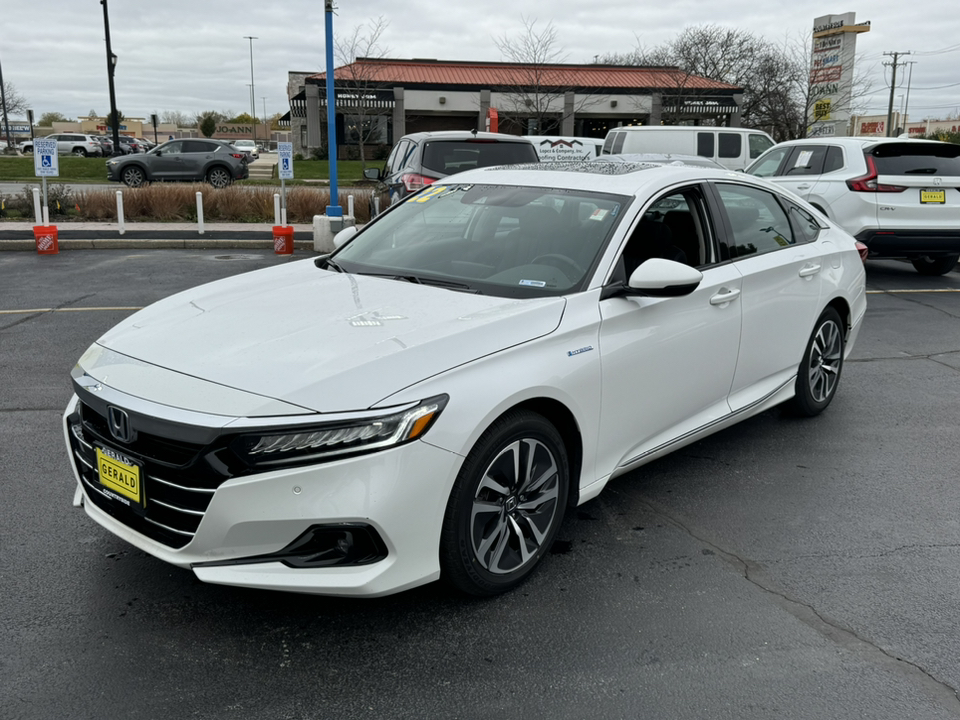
(562, 263)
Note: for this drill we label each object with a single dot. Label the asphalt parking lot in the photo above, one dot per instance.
(782, 568)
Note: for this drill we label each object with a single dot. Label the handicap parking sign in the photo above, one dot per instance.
(285, 155)
(46, 162)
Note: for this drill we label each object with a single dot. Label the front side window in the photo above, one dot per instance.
(496, 240)
(767, 165)
(758, 222)
(758, 144)
(618, 142)
(172, 148)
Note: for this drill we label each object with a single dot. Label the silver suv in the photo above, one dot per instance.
(70, 144)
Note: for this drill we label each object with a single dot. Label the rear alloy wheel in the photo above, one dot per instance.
(79, 152)
(819, 372)
(940, 265)
(133, 177)
(219, 178)
(506, 506)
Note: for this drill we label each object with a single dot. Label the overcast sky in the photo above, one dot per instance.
(192, 56)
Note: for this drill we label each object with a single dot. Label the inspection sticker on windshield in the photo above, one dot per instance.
(598, 214)
(432, 192)
(533, 283)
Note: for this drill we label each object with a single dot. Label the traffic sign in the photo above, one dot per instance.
(285, 156)
(46, 161)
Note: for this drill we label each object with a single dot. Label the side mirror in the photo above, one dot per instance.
(372, 173)
(157, 152)
(343, 237)
(664, 278)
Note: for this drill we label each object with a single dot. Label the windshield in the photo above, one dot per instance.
(496, 240)
(453, 156)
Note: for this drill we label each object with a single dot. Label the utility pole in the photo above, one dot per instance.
(893, 86)
(111, 66)
(906, 105)
(253, 102)
(6, 120)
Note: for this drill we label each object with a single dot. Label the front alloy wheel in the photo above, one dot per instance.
(133, 177)
(819, 372)
(506, 506)
(219, 178)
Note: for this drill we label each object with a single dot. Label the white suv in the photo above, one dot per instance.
(899, 197)
(69, 144)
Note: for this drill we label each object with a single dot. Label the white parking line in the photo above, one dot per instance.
(32, 311)
(907, 292)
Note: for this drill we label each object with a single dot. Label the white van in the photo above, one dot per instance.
(734, 148)
(554, 147)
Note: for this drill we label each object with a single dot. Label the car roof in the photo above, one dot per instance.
(588, 175)
(847, 141)
(465, 135)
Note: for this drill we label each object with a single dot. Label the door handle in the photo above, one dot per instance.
(809, 269)
(724, 296)
(804, 186)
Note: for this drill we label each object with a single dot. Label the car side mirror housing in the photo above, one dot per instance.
(157, 152)
(371, 173)
(343, 237)
(663, 278)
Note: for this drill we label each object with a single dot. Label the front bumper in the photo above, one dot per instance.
(399, 494)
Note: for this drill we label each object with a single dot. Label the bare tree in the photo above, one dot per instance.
(15, 102)
(358, 86)
(536, 90)
(180, 119)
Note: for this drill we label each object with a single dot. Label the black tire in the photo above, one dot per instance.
(133, 176)
(79, 152)
(819, 373)
(506, 505)
(28, 150)
(219, 177)
(941, 265)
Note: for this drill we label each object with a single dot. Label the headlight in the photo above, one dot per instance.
(295, 446)
(111, 162)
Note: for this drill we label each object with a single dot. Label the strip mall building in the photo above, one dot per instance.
(384, 99)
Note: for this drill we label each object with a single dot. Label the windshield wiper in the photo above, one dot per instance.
(417, 280)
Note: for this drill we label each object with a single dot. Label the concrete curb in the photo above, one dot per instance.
(87, 236)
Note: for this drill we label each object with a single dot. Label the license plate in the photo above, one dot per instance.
(119, 474)
(933, 196)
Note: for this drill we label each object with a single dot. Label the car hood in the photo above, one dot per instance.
(324, 341)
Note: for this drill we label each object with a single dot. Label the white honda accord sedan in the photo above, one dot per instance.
(430, 399)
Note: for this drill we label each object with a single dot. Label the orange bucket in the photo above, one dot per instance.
(46, 238)
(283, 239)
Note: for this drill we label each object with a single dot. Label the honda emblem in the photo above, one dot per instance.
(119, 423)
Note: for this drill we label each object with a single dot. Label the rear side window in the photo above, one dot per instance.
(917, 159)
(618, 142)
(834, 159)
(607, 144)
(705, 144)
(730, 144)
(197, 146)
(759, 144)
(456, 156)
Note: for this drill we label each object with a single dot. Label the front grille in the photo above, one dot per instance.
(178, 478)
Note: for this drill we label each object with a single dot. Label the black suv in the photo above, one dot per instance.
(189, 160)
(422, 158)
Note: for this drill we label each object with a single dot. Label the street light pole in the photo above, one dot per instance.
(333, 209)
(266, 139)
(253, 101)
(111, 65)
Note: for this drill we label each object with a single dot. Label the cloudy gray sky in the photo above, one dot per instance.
(192, 56)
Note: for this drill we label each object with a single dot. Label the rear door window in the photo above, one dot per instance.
(705, 144)
(730, 145)
(805, 160)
